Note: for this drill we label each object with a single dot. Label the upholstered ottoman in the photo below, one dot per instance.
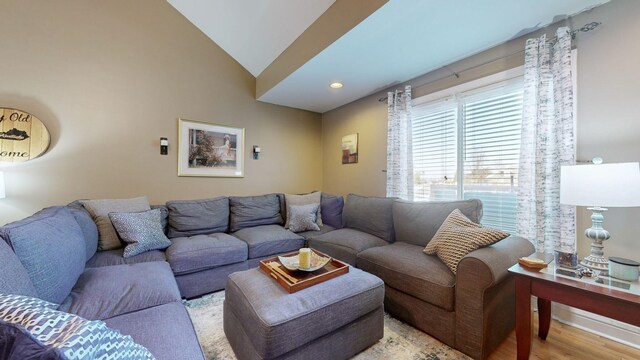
(335, 319)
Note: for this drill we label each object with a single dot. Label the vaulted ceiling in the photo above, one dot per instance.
(296, 49)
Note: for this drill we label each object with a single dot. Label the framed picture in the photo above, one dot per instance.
(206, 149)
(350, 149)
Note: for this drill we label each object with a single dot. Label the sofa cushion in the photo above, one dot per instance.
(406, 268)
(164, 216)
(200, 252)
(417, 222)
(372, 215)
(110, 291)
(51, 248)
(249, 211)
(14, 278)
(306, 199)
(344, 244)
(303, 217)
(323, 230)
(269, 240)
(66, 335)
(332, 206)
(115, 257)
(141, 231)
(165, 330)
(459, 236)
(99, 209)
(195, 217)
(89, 230)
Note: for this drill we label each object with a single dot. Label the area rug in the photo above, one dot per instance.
(400, 341)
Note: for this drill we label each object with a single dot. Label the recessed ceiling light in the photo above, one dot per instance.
(336, 85)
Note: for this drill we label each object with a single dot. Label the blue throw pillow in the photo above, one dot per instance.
(51, 332)
(142, 231)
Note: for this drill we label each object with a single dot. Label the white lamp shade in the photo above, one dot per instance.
(2, 193)
(605, 185)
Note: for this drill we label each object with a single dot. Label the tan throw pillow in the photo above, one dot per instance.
(307, 199)
(459, 236)
(99, 209)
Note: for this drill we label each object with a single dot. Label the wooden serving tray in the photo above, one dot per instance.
(296, 280)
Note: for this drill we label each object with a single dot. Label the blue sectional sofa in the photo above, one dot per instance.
(52, 255)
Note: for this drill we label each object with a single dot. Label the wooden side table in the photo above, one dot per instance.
(599, 299)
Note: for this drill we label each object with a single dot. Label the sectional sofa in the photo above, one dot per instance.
(472, 310)
(52, 255)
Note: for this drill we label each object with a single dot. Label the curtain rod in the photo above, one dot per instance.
(585, 28)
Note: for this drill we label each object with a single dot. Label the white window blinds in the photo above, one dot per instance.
(435, 151)
(468, 146)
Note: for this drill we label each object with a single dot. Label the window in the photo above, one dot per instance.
(467, 146)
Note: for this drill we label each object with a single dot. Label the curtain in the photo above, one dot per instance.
(548, 141)
(399, 145)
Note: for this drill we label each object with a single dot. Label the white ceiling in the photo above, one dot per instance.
(254, 32)
(400, 41)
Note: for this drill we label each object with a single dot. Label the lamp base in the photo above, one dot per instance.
(596, 260)
(596, 263)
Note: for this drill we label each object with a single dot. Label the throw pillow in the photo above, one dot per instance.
(100, 209)
(66, 335)
(312, 198)
(459, 236)
(331, 210)
(142, 231)
(303, 217)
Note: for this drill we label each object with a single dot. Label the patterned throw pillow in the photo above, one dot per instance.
(306, 199)
(459, 236)
(142, 231)
(71, 336)
(303, 217)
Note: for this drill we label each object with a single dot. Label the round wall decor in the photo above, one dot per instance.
(22, 136)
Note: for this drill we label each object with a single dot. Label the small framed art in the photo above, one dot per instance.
(206, 149)
(350, 149)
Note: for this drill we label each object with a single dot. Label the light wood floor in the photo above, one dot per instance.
(567, 342)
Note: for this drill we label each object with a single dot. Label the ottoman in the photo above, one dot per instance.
(335, 319)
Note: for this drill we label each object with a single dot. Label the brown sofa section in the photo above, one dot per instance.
(472, 311)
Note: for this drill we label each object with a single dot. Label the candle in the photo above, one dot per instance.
(304, 258)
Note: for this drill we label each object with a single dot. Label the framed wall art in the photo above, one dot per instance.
(23, 137)
(350, 149)
(206, 149)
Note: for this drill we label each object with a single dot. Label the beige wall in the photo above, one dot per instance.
(608, 119)
(109, 78)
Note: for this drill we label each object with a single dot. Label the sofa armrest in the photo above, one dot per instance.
(485, 295)
(489, 265)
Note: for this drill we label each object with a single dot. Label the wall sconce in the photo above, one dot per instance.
(256, 152)
(164, 146)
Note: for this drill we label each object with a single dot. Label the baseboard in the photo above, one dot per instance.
(596, 324)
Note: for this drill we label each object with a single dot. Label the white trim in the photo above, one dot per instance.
(608, 328)
(471, 85)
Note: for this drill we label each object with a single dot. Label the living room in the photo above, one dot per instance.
(114, 82)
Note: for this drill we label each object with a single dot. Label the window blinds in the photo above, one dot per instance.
(435, 154)
(468, 147)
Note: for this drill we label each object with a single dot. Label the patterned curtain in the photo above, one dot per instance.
(399, 145)
(548, 141)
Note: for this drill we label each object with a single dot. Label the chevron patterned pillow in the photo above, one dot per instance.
(459, 236)
(70, 336)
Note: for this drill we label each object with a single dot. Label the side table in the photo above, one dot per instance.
(547, 286)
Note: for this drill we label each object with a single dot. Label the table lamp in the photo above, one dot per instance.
(600, 185)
